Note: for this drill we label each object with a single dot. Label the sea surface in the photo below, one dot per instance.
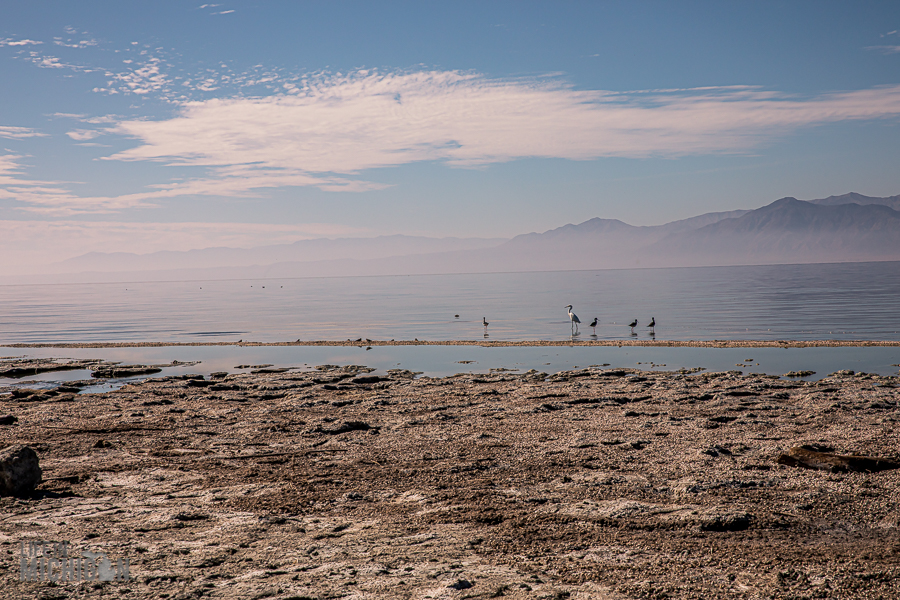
(848, 301)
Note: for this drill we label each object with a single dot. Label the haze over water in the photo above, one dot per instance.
(850, 301)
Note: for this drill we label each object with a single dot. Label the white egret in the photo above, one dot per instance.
(574, 318)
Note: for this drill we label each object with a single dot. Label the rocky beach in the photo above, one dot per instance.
(337, 482)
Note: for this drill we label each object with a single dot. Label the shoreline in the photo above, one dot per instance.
(487, 344)
(587, 483)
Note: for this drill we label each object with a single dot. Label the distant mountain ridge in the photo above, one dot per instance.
(300, 251)
(854, 198)
(847, 228)
(790, 230)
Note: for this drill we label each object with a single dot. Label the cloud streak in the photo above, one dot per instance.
(12, 42)
(54, 198)
(18, 133)
(885, 49)
(328, 131)
(350, 124)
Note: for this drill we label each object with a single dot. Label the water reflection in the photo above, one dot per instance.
(798, 302)
(437, 361)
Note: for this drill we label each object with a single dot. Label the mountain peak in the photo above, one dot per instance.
(785, 200)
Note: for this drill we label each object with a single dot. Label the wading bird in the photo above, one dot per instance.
(574, 318)
(633, 324)
(593, 325)
(652, 325)
(484, 320)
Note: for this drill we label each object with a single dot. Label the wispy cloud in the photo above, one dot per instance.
(221, 12)
(17, 133)
(141, 70)
(55, 199)
(75, 44)
(45, 61)
(143, 79)
(353, 123)
(12, 42)
(889, 48)
(51, 197)
(885, 49)
(327, 131)
(82, 135)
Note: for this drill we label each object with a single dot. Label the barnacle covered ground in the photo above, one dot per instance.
(338, 483)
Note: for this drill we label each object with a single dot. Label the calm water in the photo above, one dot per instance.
(800, 302)
(436, 361)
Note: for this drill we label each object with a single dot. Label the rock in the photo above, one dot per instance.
(808, 457)
(123, 371)
(347, 427)
(7, 419)
(198, 383)
(187, 516)
(17, 368)
(403, 373)
(369, 379)
(163, 402)
(71, 388)
(460, 584)
(720, 520)
(27, 395)
(19, 470)
(717, 451)
(802, 373)
(723, 419)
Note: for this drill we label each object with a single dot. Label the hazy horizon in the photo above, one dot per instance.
(837, 229)
(132, 128)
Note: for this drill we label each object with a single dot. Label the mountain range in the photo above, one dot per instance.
(847, 228)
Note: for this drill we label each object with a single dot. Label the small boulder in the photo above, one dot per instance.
(461, 584)
(810, 457)
(19, 470)
(347, 427)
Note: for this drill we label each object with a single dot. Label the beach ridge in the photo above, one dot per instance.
(489, 343)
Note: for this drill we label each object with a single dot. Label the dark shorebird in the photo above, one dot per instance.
(633, 324)
(574, 318)
(652, 325)
(593, 325)
(484, 320)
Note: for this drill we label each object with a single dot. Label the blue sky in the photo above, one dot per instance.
(174, 125)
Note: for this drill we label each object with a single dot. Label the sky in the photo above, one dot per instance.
(146, 126)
